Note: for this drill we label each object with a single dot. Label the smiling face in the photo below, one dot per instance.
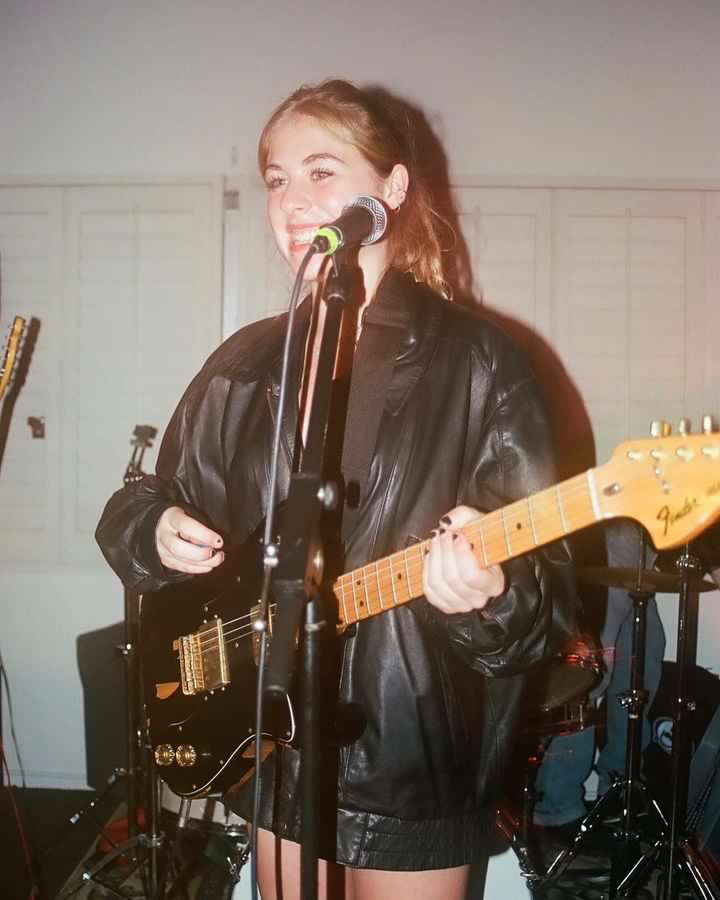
(311, 175)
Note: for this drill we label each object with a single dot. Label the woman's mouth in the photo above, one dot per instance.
(300, 238)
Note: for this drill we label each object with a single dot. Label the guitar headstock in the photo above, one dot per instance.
(8, 367)
(668, 483)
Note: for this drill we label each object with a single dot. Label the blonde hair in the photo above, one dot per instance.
(365, 119)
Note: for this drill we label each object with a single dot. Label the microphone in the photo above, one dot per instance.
(362, 221)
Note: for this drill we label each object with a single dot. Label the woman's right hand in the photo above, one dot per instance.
(186, 545)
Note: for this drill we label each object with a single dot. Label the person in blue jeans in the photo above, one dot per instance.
(569, 758)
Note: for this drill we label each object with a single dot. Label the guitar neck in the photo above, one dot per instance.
(494, 538)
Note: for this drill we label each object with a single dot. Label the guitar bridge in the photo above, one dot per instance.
(203, 660)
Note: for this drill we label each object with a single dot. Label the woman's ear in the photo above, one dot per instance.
(396, 185)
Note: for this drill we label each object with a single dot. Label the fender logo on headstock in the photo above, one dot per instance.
(713, 489)
(669, 517)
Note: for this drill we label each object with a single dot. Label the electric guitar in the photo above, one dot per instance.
(198, 641)
(10, 356)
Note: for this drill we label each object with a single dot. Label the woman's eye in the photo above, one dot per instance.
(320, 174)
(274, 182)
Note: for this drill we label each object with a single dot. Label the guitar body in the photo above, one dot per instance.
(204, 740)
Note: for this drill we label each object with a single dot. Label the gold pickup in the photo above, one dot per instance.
(203, 659)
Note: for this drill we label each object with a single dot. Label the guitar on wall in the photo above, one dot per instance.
(11, 353)
(15, 361)
(198, 653)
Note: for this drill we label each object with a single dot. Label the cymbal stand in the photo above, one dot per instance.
(624, 873)
(625, 790)
(681, 857)
(673, 846)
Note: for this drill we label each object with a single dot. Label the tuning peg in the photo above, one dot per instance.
(659, 428)
(684, 426)
(707, 425)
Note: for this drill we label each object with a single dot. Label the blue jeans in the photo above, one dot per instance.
(569, 758)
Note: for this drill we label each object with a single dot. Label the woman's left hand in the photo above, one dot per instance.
(453, 579)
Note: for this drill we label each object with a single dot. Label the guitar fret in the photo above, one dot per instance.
(506, 532)
(379, 586)
(407, 574)
(482, 543)
(593, 494)
(392, 581)
(352, 582)
(532, 521)
(341, 582)
(563, 522)
(367, 596)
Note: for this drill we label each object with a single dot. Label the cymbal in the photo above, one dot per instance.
(650, 580)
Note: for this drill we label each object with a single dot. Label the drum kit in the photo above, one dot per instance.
(645, 844)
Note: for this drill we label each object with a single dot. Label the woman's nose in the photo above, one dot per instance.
(294, 199)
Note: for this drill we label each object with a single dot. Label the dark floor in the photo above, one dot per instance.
(191, 865)
(55, 845)
(62, 850)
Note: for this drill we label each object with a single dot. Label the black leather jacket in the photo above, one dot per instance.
(463, 423)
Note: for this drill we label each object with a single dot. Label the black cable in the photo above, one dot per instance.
(26, 834)
(11, 719)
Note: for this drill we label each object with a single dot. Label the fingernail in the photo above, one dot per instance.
(447, 520)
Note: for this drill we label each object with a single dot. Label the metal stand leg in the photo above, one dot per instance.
(627, 865)
(680, 857)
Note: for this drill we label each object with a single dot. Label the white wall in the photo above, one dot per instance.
(514, 87)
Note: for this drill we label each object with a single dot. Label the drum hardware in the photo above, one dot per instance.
(559, 698)
(630, 791)
(650, 580)
(675, 849)
(670, 845)
(559, 693)
(225, 843)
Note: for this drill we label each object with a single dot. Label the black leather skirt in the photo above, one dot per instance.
(357, 838)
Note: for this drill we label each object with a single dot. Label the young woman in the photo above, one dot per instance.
(439, 680)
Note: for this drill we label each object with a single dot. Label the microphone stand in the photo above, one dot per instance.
(298, 577)
(142, 438)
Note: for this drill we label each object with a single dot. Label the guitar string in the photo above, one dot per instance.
(385, 567)
(489, 528)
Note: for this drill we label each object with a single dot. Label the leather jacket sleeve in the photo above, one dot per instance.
(126, 531)
(535, 616)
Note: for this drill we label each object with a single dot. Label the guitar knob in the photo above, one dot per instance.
(164, 755)
(684, 427)
(707, 424)
(186, 755)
